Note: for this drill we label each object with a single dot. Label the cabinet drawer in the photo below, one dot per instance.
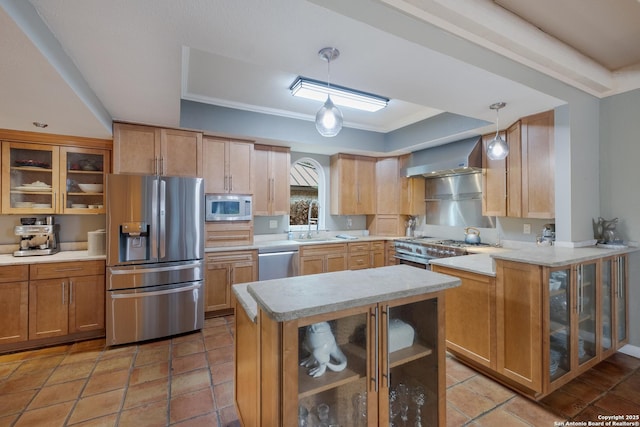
(310, 250)
(377, 246)
(228, 234)
(359, 247)
(236, 256)
(14, 273)
(66, 269)
(359, 261)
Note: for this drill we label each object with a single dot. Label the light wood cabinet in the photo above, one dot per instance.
(352, 185)
(390, 253)
(272, 188)
(150, 150)
(366, 255)
(494, 181)
(323, 258)
(374, 368)
(396, 197)
(223, 270)
(514, 171)
(412, 193)
(228, 233)
(614, 304)
(66, 298)
(229, 166)
(14, 303)
(538, 166)
(45, 178)
(539, 327)
(471, 316)
(522, 185)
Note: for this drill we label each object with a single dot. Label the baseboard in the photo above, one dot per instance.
(631, 350)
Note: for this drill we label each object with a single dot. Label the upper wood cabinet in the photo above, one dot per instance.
(353, 185)
(272, 182)
(149, 150)
(412, 192)
(388, 195)
(522, 185)
(538, 166)
(494, 182)
(46, 178)
(228, 166)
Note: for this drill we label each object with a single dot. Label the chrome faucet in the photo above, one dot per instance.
(309, 218)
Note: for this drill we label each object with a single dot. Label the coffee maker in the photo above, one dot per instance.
(38, 238)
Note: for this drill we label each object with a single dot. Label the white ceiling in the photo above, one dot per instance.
(77, 64)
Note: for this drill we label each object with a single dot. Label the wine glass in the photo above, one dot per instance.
(394, 407)
(403, 398)
(418, 397)
(360, 409)
(323, 414)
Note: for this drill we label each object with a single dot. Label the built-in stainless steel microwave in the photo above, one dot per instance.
(227, 207)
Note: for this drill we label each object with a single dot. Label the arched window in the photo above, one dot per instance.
(307, 184)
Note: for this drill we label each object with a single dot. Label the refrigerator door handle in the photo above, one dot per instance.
(163, 218)
(119, 295)
(154, 216)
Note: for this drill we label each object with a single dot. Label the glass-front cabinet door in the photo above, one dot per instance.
(621, 301)
(29, 178)
(410, 379)
(375, 366)
(607, 299)
(336, 360)
(560, 333)
(586, 336)
(83, 173)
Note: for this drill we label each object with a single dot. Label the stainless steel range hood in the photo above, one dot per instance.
(464, 156)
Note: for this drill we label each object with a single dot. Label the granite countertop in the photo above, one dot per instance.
(62, 256)
(283, 243)
(302, 296)
(555, 256)
(477, 263)
(246, 301)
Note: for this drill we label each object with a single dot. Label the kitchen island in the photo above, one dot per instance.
(538, 317)
(386, 334)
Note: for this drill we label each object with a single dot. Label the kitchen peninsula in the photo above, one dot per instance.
(386, 324)
(538, 317)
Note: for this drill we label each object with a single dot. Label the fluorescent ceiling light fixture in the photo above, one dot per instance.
(342, 96)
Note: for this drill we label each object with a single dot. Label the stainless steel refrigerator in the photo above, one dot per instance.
(155, 250)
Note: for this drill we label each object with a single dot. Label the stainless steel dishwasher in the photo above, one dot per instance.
(277, 262)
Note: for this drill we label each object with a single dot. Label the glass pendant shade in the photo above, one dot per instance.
(497, 149)
(329, 119)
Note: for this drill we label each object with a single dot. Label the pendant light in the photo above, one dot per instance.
(497, 149)
(329, 117)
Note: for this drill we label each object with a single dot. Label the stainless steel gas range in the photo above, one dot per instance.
(419, 250)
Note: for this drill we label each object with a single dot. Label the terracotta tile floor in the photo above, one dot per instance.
(188, 381)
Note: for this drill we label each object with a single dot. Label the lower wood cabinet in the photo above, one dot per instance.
(50, 303)
(14, 303)
(323, 258)
(471, 316)
(388, 373)
(224, 269)
(66, 298)
(535, 328)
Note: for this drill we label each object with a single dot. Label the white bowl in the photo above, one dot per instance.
(79, 206)
(91, 188)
